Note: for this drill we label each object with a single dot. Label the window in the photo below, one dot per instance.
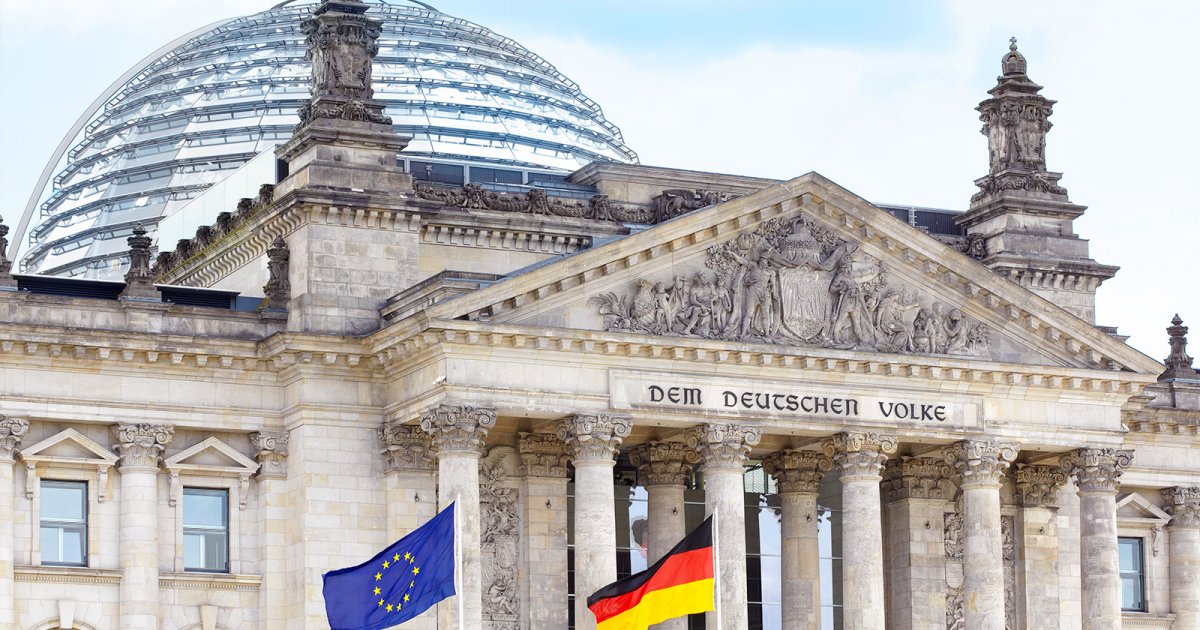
(1133, 575)
(63, 510)
(205, 530)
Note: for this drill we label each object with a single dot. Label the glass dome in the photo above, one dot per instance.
(205, 104)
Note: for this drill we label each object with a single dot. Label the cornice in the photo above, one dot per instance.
(66, 575)
(210, 581)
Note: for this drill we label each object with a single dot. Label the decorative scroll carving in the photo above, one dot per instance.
(11, 430)
(473, 196)
(664, 463)
(794, 282)
(406, 447)
(278, 288)
(350, 110)
(458, 428)
(543, 455)
(723, 444)
(674, 202)
(1038, 486)
(6, 279)
(1008, 554)
(1098, 469)
(860, 454)
(499, 534)
(796, 470)
(1179, 364)
(141, 445)
(981, 461)
(594, 437)
(917, 478)
(270, 449)
(139, 280)
(1183, 504)
(226, 224)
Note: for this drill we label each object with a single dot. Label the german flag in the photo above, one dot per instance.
(680, 583)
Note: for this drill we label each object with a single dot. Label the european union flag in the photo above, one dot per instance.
(400, 583)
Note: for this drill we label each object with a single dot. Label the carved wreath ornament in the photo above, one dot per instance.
(794, 283)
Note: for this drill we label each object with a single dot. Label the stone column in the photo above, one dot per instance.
(916, 490)
(1184, 533)
(593, 442)
(410, 468)
(11, 430)
(665, 469)
(1037, 490)
(723, 448)
(982, 464)
(859, 458)
(140, 447)
(1097, 471)
(544, 462)
(274, 516)
(458, 432)
(799, 474)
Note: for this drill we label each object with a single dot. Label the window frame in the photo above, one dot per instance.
(62, 525)
(184, 527)
(1142, 573)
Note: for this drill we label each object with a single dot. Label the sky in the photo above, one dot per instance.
(878, 96)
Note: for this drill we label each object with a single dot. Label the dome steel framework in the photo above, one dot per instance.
(206, 103)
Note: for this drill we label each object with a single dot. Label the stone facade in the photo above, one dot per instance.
(990, 446)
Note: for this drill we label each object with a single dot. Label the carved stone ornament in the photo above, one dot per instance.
(723, 444)
(664, 463)
(1179, 364)
(1098, 469)
(675, 202)
(407, 447)
(1037, 486)
(139, 280)
(499, 536)
(594, 438)
(1183, 504)
(458, 429)
(11, 430)
(278, 288)
(793, 282)
(860, 454)
(981, 461)
(227, 223)
(1008, 556)
(6, 279)
(474, 196)
(797, 470)
(140, 445)
(341, 44)
(918, 478)
(543, 455)
(953, 534)
(270, 449)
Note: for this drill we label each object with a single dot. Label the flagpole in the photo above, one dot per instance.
(458, 561)
(716, 534)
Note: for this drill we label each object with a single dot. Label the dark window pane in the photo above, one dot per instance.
(434, 172)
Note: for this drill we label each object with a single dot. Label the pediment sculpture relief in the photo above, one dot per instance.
(792, 282)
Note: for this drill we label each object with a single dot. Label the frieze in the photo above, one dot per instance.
(474, 196)
(793, 282)
(664, 463)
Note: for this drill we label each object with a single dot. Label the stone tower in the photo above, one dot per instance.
(1021, 212)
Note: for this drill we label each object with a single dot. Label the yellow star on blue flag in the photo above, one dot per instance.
(383, 592)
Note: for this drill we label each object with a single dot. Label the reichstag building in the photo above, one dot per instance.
(301, 278)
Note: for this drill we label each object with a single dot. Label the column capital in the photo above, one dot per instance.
(1098, 469)
(406, 448)
(860, 454)
(1183, 504)
(723, 444)
(270, 449)
(1038, 486)
(141, 444)
(594, 438)
(664, 463)
(543, 455)
(458, 429)
(981, 462)
(797, 471)
(918, 478)
(11, 430)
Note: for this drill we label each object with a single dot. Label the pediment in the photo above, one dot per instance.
(211, 456)
(68, 446)
(1134, 506)
(804, 263)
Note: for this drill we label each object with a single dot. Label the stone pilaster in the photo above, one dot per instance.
(140, 447)
(859, 457)
(665, 468)
(916, 491)
(544, 460)
(1184, 530)
(1037, 490)
(11, 430)
(593, 441)
(274, 515)
(798, 474)
(458, 432)
(410, 481)
(982, 464)
(1097, 472)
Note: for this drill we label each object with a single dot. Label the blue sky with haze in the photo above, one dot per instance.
(877, 95)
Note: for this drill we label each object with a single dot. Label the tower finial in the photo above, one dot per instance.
(1179, 364)
(1012, 44)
